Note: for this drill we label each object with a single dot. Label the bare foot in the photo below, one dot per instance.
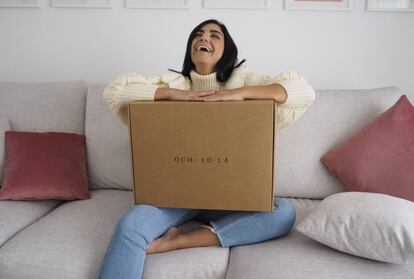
(162, 244)
(172, 232)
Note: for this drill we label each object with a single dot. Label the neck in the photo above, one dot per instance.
(204, 69)
(204, 82)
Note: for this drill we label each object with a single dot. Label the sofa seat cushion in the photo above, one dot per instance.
(67, 243)
(202, 262)
(71, 241)
(17, 215)
(297, 256)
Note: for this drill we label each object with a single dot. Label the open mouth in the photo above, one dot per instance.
(204, 49)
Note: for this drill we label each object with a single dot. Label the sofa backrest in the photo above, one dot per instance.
(45, 106)
(334, 116)
(107, 145)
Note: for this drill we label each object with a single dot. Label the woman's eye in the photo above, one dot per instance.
(215, 36)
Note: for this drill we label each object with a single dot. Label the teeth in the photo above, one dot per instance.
(203, 48)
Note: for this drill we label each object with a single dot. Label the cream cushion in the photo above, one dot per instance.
(369, 225)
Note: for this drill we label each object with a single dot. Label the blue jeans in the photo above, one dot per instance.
(141, 224)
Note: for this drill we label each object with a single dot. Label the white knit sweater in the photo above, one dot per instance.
(132, 87)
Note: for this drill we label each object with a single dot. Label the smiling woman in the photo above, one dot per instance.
(211, 72)
(207, 48)
(221, 54)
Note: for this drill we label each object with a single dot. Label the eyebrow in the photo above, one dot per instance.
(212, 31)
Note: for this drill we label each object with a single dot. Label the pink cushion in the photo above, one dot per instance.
(380, 157)
(42, 166)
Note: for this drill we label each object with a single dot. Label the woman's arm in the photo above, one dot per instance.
(131, 87)
(290, 90)
(273, 91)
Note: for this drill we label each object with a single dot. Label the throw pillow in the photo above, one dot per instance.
(380, 157)
(369, 225)
(4, 126)
(44, 166)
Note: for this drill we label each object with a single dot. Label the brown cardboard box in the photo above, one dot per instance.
(205, 155)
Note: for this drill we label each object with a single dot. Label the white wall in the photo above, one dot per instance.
(355, 49)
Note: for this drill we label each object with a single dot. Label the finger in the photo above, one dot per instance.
(194, 98)
(206, 93)
(213, 99)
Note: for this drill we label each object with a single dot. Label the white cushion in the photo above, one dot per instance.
(369, 225)
(297, 256)
(4, 126)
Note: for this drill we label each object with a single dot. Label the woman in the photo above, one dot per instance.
(210, 73)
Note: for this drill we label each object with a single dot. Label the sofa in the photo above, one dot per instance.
(67, 239)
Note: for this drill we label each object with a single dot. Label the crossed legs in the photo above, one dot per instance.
(138, 232)
(235, 228)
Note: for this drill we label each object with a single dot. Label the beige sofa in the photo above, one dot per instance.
(55, 239)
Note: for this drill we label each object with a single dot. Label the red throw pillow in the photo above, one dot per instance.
(380, 157)
(41, 166)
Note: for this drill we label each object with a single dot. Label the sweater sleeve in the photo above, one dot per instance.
(133, 87)
(299, 94)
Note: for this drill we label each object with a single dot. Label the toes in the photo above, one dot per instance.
(172, 232)
(150, 249)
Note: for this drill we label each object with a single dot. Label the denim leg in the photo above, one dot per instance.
(124, 258)
(242, 227)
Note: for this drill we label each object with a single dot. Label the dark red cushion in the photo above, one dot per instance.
(380, 157)
(41, 166)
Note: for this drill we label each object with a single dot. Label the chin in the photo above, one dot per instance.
(203, 63)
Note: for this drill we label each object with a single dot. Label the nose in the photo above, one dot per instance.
(204, 38)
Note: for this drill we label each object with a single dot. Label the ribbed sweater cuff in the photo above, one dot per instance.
(299, 93)
(145, 92)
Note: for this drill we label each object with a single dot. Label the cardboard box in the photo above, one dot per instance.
(204, 155)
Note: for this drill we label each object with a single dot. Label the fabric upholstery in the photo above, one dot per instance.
(297, 256)
(369, 225)
(43, 166)
(44, 106)
(380, 157)
(107, 143)
(333, 116)
(17, 215)
(4, 126)
(70, 242)
(203, 262)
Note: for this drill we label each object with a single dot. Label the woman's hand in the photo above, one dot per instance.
(164, 93)
(225, 95)
(190, 95)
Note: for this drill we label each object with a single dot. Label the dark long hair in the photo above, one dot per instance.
(226, 64)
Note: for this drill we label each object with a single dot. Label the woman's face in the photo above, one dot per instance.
(208, 46)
